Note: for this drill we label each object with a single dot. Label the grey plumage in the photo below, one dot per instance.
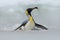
(23, 24)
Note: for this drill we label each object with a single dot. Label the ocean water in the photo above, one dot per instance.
(42, 35)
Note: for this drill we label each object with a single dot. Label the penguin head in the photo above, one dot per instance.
(29, 10)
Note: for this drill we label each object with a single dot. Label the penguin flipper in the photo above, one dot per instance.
(40, 26)
(18, 28)
(23, 24)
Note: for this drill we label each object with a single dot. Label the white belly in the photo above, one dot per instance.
(30, 25)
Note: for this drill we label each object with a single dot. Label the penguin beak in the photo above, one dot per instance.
(35, 8)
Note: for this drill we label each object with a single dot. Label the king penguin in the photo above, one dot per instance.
(30, 23)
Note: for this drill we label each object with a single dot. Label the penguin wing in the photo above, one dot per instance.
(40, 26)
(23, 24)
